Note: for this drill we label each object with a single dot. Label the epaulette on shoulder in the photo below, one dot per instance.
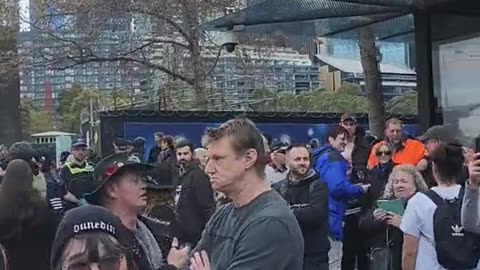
(155, 220)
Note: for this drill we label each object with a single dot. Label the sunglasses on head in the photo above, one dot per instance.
(384, 153)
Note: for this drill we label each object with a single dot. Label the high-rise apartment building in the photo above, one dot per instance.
(45, 70)
(239, 74)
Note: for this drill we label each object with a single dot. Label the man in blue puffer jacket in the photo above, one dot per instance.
(332, 168)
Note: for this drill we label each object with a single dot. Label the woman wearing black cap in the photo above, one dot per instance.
(26, 227)
(91, 237)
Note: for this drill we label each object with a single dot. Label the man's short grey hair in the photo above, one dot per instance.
(245, 136)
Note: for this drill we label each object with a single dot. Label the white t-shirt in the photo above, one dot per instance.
(418, 222)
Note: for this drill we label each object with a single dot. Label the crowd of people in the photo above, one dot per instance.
(244, 201)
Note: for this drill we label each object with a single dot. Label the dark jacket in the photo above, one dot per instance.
(168, 158)
(376, 233)
(195, 204)
(162, 231)
(332, 168)
(361, 150)
(153, 154)
(56, 190)
(29, 248)
(360, 154)
(308, 200)
(377, 178)
(78, 179)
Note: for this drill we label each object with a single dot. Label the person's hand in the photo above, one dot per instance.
(200, 261)
(394, 220)
(422, 165)
(380, 214)
(365, 187)
(474, 171)
(178, 257)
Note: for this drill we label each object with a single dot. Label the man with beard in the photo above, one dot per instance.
(308, 199)
(195, 198)
(121, 190)
(406, 151)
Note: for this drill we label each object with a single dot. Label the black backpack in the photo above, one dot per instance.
(456, 249)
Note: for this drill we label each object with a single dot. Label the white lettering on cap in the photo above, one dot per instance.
(91, 226)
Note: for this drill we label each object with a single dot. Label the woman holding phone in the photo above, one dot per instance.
(386, 238)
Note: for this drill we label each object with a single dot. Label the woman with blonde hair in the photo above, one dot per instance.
(385, 237)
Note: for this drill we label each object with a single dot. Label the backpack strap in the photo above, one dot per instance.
(461, 193)
(434, 197)
(439, 200)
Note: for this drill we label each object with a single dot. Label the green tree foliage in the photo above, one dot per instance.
(404, 104)
(72, 102)
(34, 120)
(346, 99)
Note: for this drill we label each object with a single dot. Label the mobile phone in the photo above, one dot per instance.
(477, 145)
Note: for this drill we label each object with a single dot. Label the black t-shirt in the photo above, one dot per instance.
(263, 234)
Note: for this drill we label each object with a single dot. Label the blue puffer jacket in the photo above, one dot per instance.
(332, 168)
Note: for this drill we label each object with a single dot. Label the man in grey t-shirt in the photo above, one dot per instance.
(257, 230)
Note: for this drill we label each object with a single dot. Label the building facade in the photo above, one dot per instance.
(45, 69)
(280, 70)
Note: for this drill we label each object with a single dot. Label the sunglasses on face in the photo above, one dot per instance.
(107, 263)
(384, 153)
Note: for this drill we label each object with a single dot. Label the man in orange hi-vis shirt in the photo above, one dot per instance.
(406, 151)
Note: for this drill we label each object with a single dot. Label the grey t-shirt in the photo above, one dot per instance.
(263, 234)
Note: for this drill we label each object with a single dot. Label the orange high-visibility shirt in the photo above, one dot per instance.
(413, 152)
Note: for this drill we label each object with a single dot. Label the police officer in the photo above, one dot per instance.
(77, 174)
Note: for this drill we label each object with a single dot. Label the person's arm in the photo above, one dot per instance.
(422, 165)
(338, 185)
(410, 250)
(317, 212)
(470, 208)
(70, 197)
(411, 234)
(420, 154)
(368, 223)
(65, 175)
(263, 245)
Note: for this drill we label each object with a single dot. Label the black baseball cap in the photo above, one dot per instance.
(442, 133)
(87, 219)
(109, 167)
(122, 144)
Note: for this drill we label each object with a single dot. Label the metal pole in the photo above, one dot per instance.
(91, 122)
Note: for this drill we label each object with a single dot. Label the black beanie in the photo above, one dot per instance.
(87, 219)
